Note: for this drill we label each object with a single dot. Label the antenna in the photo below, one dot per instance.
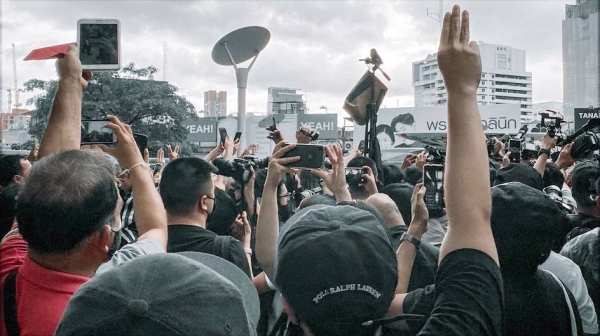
(165, 61)
(17, 104)
(439, 16)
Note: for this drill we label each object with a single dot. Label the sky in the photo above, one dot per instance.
(314, 46)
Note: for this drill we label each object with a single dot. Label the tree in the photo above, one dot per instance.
(151, 107)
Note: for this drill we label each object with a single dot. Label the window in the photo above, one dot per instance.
(482, 90)
(483, 83)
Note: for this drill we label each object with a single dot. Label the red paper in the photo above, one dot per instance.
(48, 52)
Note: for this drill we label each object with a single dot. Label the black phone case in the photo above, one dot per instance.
(311, 156)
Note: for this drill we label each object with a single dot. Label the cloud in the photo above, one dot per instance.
(315, 45)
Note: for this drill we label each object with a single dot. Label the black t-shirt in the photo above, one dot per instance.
(426, 260)
(468, 296)
(535, 305)
(190, 238)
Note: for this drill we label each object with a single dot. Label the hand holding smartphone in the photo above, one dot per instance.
(433, 180)
(222, 135)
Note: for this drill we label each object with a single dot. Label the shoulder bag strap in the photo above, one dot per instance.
(571, 312)
(10, 304)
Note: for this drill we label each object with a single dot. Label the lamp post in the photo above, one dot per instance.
(324, 108)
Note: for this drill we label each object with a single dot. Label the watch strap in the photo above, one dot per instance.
(544, 151)
(406, 237)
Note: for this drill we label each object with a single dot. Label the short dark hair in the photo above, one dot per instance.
(67, 197)
(553, 176)
(392, 173)
(10, 165)
(387, 130)
(583, 183)
(413, 175)
(183, 182)
(223, 215)
(7, 207)
(405, 118)
(401, 193)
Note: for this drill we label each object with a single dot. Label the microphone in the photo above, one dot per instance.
(375, 58)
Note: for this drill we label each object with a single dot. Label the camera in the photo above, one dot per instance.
(436, 155)
(584, 145)
(555, 194)
(553, 124)
(309, 192)
(239, 169)
(529, 151)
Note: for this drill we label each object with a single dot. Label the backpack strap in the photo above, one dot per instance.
(10, 304)
(221, 247)
(571, 312)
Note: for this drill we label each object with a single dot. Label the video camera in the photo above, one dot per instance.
(436, 155)
(555, 194)
(307, 193)
(239, 169)
(585, 140)
(553, 124)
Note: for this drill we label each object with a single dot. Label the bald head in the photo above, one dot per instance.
(388, 209)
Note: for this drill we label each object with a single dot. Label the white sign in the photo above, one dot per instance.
(501, 119)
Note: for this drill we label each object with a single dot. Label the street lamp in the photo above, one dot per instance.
(324, 108)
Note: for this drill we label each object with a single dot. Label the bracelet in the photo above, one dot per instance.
(406, 237)
(248, 251)
(134, 166)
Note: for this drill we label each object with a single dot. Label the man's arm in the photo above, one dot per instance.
(63, 131)
(547, 143)
(407, 251)
(150, 214)
(466, 185)
(267, 228)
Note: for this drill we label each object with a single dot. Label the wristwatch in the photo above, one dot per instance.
(406, 237)
(544, 151)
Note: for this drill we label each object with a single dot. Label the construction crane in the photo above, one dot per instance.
(15, 88)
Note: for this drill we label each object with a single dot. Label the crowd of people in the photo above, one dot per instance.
(98, 242)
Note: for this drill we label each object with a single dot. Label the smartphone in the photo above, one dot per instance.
(99, 43)
(222, 134)
(93, 132)
(514, 147)
(353, 172)
(433, 180)
(141, 141)
(237, 136)
(361, 145)
(311, 156)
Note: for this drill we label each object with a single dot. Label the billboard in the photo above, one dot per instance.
(501, 118)
(583, 115)
(201, 129)
(325, 124)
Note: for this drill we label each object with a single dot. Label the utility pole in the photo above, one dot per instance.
(165, 61)
(17, 104)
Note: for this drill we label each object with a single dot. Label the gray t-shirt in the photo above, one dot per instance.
(126, 253)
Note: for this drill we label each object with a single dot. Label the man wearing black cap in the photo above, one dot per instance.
(583, 187)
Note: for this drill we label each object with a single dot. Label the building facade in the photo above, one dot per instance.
(285, 101)
(581, 46)
(504, 80)
(215, 103)
(14, 127)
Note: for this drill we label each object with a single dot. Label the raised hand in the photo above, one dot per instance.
(173, 153)
(69, 67)
(277, 164)
(160, 157)
(126, 151)
(335, 179)
(421, 160)
(420, 214)
(459, 59)
(146, 156)
(370, 184)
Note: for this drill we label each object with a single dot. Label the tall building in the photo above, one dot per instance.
(581, 45)
(504, 80)
(215, 103)
(285, 101)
